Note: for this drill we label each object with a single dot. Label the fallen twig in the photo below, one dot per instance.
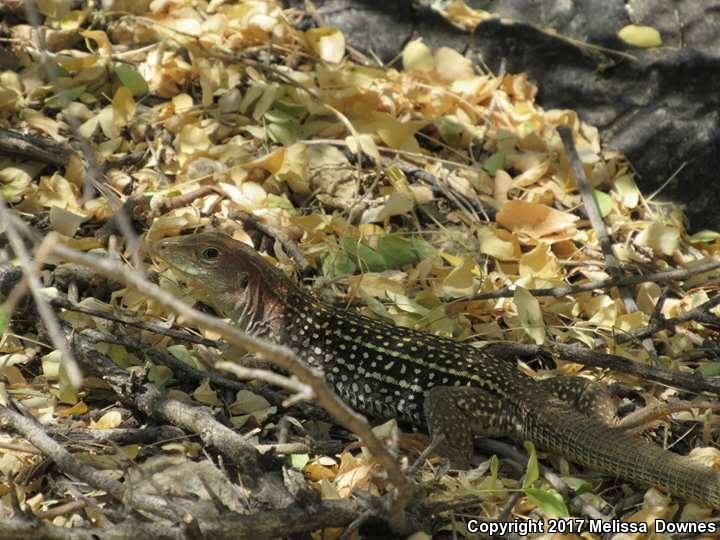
(564, 290)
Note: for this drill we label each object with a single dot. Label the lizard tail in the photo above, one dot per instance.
(616, 452)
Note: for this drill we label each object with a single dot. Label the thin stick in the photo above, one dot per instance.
(598, 225)
(44, 310)
(563, 290)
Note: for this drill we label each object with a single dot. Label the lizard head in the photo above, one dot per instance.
(224, 273)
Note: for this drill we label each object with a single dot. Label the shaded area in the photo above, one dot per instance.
(658, 106)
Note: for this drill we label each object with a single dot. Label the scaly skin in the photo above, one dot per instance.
(450, 387)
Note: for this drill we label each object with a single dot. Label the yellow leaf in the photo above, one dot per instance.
(123, 106)
(182, 103)
(193, 139)
(363, 143)
(417, 56)
(328, 42)
(640, 36)
(530, 315)
(663, 239)
(459, 13)
(627, 189)
(12, 375)
(53, 8)
(376, 285)
(316, 472)
(627, 322)
(461, 280)
(540, 262)
(79, 408)
(396, 204)
(109, 420)
(392, 132)
(491, 244)
(450, 65)
(55, 190)
(271, 162)
(533, 219)
(99, 37)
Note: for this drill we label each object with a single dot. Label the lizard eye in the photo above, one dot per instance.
(210, 254)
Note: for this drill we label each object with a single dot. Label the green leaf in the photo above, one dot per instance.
(186, 357)
(338, 264)
(277, 201)
(62, 98)
(392, 252)
(450, 130)
(399, 252)
(131, 79)
(159, 375)
(709, 369)
(604, 202)
(578, 485)
(367, 259)
(298, 461)
(277, 116)
(549, 501)
(494, 162)
(3, 320)
(285, 133)
(295, 110)
(282, 127)
(533, 469)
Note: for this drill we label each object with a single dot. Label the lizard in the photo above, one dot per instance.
(449, 387)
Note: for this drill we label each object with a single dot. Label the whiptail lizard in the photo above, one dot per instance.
(450, 387)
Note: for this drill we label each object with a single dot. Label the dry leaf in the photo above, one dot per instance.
(530, 315)
(109, 420)
(534, 219)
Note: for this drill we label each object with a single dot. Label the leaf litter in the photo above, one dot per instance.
(409, 190)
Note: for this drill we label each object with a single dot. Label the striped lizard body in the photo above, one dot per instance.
(450, 387)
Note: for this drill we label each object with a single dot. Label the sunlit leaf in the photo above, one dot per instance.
(640, 36)
(604, 202)
(417, 56)
(298, 461)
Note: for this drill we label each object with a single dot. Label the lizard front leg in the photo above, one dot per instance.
(460, 414)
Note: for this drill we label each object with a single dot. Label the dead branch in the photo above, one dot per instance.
(598, 225)
(663, 324)
(564, 290)
(40, 149)
(149, 400)
(36, 435)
